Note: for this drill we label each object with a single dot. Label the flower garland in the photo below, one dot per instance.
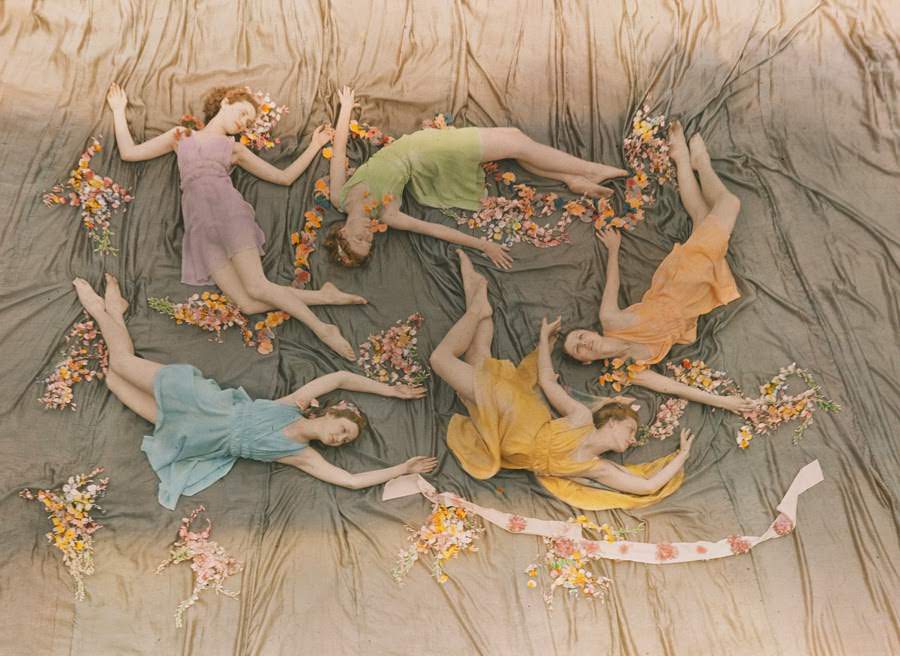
(448, 532)
(259, 135)
(775, 406)
(210, 563)
(668, 417)
(647, 147)
(97, 196)
(216, 313)
(392, 356)
(73, 527)
(304, 241)
(620, 372)
(86, 359)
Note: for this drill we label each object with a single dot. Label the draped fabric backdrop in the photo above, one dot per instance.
(798, 102)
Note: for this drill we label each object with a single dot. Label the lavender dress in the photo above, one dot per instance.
(218, 222)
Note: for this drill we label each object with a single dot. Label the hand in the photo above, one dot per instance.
(611, 238)
(409, 391)
(420, 465)
(321, 136)
(498, 254)
(116, 98)
(739, 405)
(687, 439)
(550, 330)
(347, 98)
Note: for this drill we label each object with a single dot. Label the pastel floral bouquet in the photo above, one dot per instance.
(215, 313)
(448, 532)
(439, 122)
(85, 358)
(210, 563)
(97, 196)
(668, 416)
(392, 356)
(619, 373)
(73, 530)
(259, 135)
(776, 406)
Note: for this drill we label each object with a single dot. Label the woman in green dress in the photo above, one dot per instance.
(442, 169)
(200, 429)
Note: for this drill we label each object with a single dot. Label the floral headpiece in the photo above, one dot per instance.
(345, 405)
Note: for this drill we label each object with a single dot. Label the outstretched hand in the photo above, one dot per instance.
(116, 97)
(611, 238)
(498, 254)
(687, 439)
(739, 405)
(409, 391)
(420, 464)
(550, 329)
(347, 98)
(321, 136)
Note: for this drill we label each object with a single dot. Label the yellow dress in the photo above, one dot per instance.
(510, 426)
(692, 280)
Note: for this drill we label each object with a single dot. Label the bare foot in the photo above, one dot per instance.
(699, 154)
(470, 277)
(581, 185)
(331, 335)
(678, 148)
(331, 295)
(91, 300)
(480, 305)
(114, 302)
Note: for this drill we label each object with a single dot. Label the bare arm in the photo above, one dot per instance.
(352, 383)
(311, 461)
(575, 412)
(498, 254)
(159, 145)
(338, 172)
(252, 163)
(619, 478)
(609, 304)
(665, 385)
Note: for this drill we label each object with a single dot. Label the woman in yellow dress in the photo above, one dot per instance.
(511, 426)
(692, 280)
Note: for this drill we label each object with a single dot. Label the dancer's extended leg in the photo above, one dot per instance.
(688, 188)
(724, 206)
(480, 348)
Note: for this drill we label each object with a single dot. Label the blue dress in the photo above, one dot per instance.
(201, 430)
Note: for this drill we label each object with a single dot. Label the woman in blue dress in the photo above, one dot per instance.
(201, 430)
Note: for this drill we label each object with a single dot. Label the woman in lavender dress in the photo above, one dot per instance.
(222, 241)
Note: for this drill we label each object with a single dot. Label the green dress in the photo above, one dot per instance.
(442, 169)
(201, 431)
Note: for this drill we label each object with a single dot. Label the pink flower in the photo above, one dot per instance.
(738, 545)
(564, 547)
(701, 549)
(666, 551)
(590, 548)
(783, 525)
(516, 524)
(623, 548)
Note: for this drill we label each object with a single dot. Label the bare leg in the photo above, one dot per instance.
(688, 189)
(445, 360)
(480, 348)
(249, 270)
(576, 183)
(135, 398)
(122, 360)
(724, 206)
(512, 143)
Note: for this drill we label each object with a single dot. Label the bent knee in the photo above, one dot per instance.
(727, 205)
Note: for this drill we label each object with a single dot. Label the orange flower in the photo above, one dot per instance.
(327, 153)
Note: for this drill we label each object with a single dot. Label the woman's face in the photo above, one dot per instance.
(358, 237)
(336, 431)
(237, 117)
(622, 433)
(585, 345)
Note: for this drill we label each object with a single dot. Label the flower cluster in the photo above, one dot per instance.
(620, 372)
(738, 545)
(668, 416)
(304, 241)
(647, 147)
(259, 135)
(362, 131)
(775, 406)
(697, 373)
(215, 313)
(392, 356)
(210, 563)
(85, 359)
(96, 195)
(439, 122)
(449, 531)
(73, 527)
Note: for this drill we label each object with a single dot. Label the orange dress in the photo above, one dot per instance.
(510, 426)
(692, 280)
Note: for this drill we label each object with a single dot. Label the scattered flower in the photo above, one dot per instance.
(439, 122)
(86, 358)
(668, 417)
(620, 372)
(783, 525)
(448, 532)
(738, 545)
(392, 355)
(259, 135)
(304, 241)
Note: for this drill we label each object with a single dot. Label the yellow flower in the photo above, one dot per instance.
(443, 578)
(532, 584)
(509, 177)
(245, 139)
(327, 153)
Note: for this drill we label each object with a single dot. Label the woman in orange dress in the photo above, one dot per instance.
(511, 426)
(692, 280)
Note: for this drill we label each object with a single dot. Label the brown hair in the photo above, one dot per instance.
(213, 101)
(339, 248)
(614, 412)
(341, 410)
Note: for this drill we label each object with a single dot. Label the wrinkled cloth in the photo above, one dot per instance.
(797, 103)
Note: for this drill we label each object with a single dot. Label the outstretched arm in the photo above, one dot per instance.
(619, 478)
(498, 254)
(311, 461)
(609, 304)
(575, 412)
(338, 173)
(352, 383)
(252, 163)
(665, 385)
(129, 151)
